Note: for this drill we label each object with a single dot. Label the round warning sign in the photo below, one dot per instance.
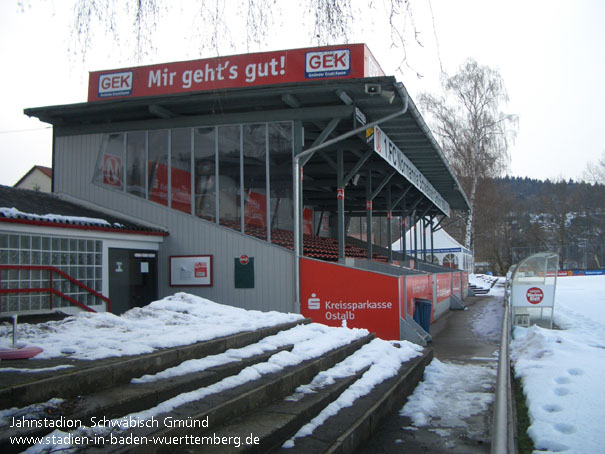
(244, 259)
(534, 295)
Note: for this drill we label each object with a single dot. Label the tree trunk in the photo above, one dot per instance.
(468, 237)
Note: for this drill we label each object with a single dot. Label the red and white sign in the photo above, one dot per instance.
(112, 170)
(191, 270)
(340, 193)
(368, 205)
(235, 71)
(115, 84)
(534, 295)
(244, 259)
(328, 63)
(200, 269)
(332, 294)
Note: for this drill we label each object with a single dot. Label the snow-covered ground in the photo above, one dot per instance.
(451, 393)
(562, 370)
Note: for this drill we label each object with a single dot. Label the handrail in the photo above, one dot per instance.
(503, 440)
(53, 290)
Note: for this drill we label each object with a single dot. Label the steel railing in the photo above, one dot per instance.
(51, 289)
(503, 431)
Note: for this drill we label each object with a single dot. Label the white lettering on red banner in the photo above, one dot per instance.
(265, 68)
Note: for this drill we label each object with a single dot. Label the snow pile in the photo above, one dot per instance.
(14, 213)
(562, 370)
(180, 319)
(449, 394)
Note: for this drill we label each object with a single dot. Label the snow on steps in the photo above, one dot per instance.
(260, 406)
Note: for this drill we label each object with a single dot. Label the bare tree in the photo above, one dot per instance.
(132, 24)
(473, 131)
(595, 171)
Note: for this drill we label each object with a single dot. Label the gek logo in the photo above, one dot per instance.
(115, 84)
(328, 63)
(314, 303)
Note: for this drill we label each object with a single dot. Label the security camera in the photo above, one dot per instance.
(373, 89)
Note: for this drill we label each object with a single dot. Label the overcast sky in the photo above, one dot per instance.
(549, 52)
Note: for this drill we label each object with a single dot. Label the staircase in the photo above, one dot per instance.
(253, 402)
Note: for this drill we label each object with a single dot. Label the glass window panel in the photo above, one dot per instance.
(255, 179)
(25, 241)
(110, 163)
(13, 242)
(229, 176)
(3, 241)
(136, 143)
(45, 243)
(36, 242)
(205, 176)
(180, 156)
(158, 167)
(280, 169)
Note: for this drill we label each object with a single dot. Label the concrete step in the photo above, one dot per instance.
(132, 397)
(223, 407)
(86, 377)
(277, 422)
(348, 430)
(215, 403)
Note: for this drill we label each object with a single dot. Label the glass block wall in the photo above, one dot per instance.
(81, 259)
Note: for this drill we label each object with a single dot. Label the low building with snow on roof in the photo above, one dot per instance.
(54, 255)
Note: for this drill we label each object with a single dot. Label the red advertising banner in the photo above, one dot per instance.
(256, 209)
(457, 284)
(307, 219)
(464, 284)
(444, 286)
(349, 61)
(181, 190)
(331, 294)
(158, 175)
(416, 287)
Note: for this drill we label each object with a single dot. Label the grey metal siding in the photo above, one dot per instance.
(75, 160)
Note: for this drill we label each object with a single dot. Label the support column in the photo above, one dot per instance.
(340, 204)
(369, 212)
(432, 240)
(404, 216)
(389, 224)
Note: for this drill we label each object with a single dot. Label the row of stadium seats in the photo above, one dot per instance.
(313, 246)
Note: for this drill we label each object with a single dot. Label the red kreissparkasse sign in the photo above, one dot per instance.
(332, 293)
(236, 71)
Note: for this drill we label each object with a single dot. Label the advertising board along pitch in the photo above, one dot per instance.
(349, 61)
